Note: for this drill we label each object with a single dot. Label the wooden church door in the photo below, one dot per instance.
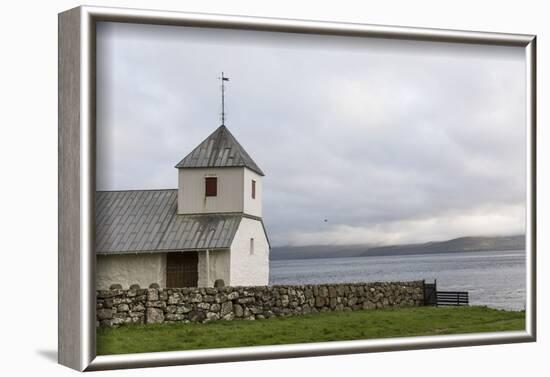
(182, 270)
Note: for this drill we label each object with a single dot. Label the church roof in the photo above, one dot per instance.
(147, 221)
(219, 150)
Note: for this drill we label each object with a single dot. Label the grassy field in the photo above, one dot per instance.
(322, 327)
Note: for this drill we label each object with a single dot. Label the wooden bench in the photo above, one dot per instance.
(448, 298)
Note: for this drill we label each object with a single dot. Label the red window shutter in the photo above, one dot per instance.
(211, 186)
(253, 189)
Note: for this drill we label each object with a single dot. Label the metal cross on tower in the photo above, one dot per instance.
(223, 79)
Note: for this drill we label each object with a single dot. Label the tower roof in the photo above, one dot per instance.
(219, 150)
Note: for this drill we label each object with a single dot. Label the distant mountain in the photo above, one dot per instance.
(455, 245)
(318, 251)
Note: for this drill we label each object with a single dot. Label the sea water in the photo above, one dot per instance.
(492, 278)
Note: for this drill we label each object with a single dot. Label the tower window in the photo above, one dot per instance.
(211, 186)
(253, 189)
(252, 246)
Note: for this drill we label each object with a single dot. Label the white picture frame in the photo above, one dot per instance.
(77, 326)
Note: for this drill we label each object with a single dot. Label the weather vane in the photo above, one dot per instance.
(223, 79)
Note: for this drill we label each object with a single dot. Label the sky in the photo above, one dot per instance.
(388, 141)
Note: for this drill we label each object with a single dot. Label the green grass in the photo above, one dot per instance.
(328, 326)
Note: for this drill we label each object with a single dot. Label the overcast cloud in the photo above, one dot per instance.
(389, 141)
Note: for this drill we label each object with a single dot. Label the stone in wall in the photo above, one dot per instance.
(154, 315)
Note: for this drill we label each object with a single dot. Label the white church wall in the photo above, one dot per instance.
(252, 206)
(219, 267)
(248, 268)
(128, 269)
(191, 193)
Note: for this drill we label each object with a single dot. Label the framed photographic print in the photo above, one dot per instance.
(236, 188)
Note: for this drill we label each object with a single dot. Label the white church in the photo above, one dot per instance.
(208, 229)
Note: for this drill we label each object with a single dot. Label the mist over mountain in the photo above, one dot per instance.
(462, 244)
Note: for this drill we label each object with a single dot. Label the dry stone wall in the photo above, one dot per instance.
(156, 305)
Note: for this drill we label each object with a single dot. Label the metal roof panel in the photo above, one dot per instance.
(220, 149)
(147, 221)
